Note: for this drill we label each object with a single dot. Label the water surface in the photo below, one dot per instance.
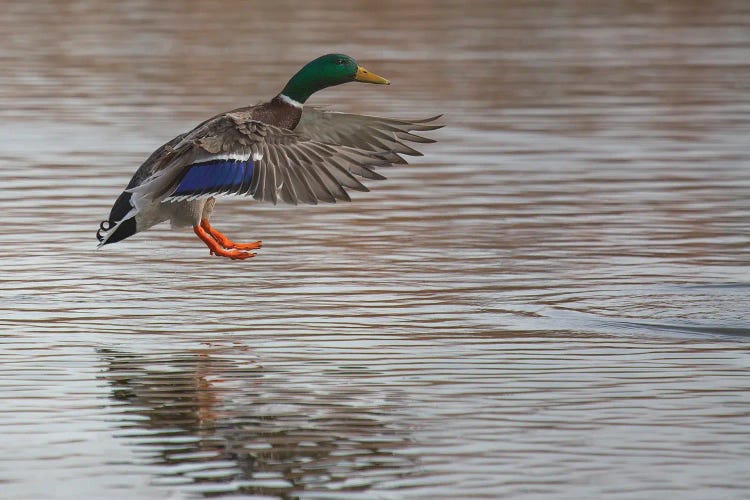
(551, 303)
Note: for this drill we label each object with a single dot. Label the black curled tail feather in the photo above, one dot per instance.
(103, 228)
(121, 228)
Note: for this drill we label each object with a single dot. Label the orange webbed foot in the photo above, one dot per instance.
(247, 246)
(225, 242)
(216, 247)
(231, 253)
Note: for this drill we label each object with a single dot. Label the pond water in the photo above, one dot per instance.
(552, 303)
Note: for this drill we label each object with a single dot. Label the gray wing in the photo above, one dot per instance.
(234, 155)
(154, 162)
(385, 136)
(294, 169)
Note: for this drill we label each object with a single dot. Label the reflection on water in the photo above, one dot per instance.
(208, 419)
(552, 303)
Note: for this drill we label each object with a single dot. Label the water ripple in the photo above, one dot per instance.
(551, 303)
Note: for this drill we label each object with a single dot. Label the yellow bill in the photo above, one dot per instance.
(365, 76)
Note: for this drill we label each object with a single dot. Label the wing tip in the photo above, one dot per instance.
(425, 124)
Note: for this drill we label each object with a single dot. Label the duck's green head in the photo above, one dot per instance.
(326, 71)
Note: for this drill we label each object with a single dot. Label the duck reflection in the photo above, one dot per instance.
(214, 421)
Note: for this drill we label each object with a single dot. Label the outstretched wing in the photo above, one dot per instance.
(367, 133)
(232, 154)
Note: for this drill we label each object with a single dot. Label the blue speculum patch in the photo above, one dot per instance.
(216, 177)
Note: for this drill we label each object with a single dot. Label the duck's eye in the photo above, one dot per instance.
(340, 62)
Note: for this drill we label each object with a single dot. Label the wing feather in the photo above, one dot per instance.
(319, 161)
(368, 133)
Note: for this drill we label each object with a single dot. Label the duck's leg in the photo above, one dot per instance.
(222, 240)
(217, 243)
(217, 235)
(216, 248)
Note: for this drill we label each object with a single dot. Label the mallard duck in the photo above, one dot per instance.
(277, 151)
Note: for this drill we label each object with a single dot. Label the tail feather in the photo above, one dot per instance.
(121, 222)
(112, 234)
(121, 208)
